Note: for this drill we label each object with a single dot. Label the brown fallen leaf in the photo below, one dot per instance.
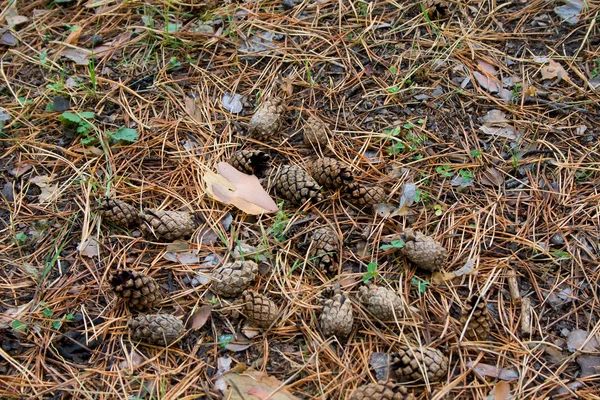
(131, 361)
(493, 371)
(253, 384)
(553, 70)
(501, 391)
(199, 318)
(89, 248)
(243, 191)
(78, 55)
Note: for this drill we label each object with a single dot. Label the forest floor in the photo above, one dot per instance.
(481, 117)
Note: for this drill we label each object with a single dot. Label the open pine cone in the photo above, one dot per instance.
(330, 173)
(364, 196)
(266, 121)
(259, 309)
(251, 162)
(233, 278)
(296, 185)
(337, 316)
(159, 329)
(411, 363)
(324, 249)
(387, 390)
(137, 289)
(383, 303)
(168, 225)
(423, 250)
(315, 132)
(118, 212)
(476, 318)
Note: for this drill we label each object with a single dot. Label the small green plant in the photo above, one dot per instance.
(476, 153)
(393, 89)
(420, 284)
(18, 326)
(92, 70)
(123, 134)
(444, 170)
(396, 148)
(421, 195)
(393, 70)
(466, 175)
(79, 123)
(596, 70)
(561, 255)
(174, 63)
(395, 244)
(438, 210)
(371, 272)
(280, 224)
(225, 339)
(20, 239)
(58, 323)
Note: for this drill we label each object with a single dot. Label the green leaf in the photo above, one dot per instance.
(372, 267)
(69, 317)
(225, 339)
(393, 70)
(21, 238)
(438, 210)
(87, 114)
(87, 141)
(421, 285)
(56, 325)
(393, 89)
(18, 326)
(47, 313)
(444, 170)
(476, 153)
(123, 134)
(70, 117)
(367, 277)
(408, 125)
(395, 244)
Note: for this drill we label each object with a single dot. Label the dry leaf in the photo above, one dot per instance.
(113, 45)
(501, 391)
(493, 371)
(245, 192)
(570, 11)
(238, 344)
(89, 248)
(132, 361)
(199, 318)
(491, 177)
(223, 365)
(192, 107)
(589, 364)
(78, 55)
(183, 257)
(47, 191)
(250, 331)
(486, 67)
(508, 132)
(20, 170)
(553, 71)
(577, 338)
(494, 117)
(487, 82)
(11, 314)
(255, 384)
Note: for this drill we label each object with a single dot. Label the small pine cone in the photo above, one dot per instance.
(233, 278)
(266, 121)
(423, 250)
(330, 173)
(137, 289)
(336, 317)
(315, 132)
(387, 390)
(409, 364)
(251, 162)
(259, 309)
(118, 212)
(476, 318)
(168, 225)
(159, 329)
(297, 186)
(324, 249)
(363, 196)
(383, 303)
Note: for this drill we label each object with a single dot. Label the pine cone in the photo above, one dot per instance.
(336, 317)
(168, 225)
(260, 309)
(159, 329)
(362, 196)
(137, 289)
(330, 173)
(315, 132)
(251, 162)
(383, 303)
(410, 363)
(233, 278)
(266, 121)
(423, 250)
(388, 390)
(477, 319)
(118, 212)
(297, 186)
(324, 249)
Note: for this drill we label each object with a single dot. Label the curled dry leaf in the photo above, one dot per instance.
(89, 248)
(199, 318)
(233, 187)
(501, 391)
(253, 384)
(493, 371)
(131, 361)
(553, 71)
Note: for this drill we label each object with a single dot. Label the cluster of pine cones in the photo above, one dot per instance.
(233, 280)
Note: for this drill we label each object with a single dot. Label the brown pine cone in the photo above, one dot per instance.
(423, 250)
(330, 173)
(364, 196)
(336, 317)
(297, 186)
(410, 363)
(388, 390)
(251, 162)
(233, 278)
(266, 121)
(118, 212)
(315, 132)
(324, 249)
(168, 225)
(260, 309)
(137, 289)
(383, 303)
(476, 318)
(159, 329)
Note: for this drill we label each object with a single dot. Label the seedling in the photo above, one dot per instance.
(20, 239)
(444, 170)
(438, 210)
(18, 326)
(280, 224)
(420, 284)
(371, 272)
(476, 153)
(395, 244)
(466, 175)
(123, 134)
(79, 123)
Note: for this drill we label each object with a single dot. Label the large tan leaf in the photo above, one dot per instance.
(254, 385)
(230, 186)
